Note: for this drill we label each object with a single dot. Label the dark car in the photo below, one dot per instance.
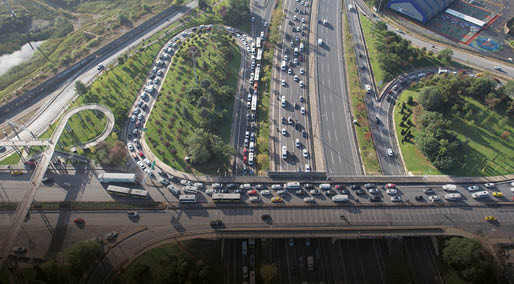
(370, 185)
(308, 186)
(355, 186)
(217, 224)
(260, 186)
(419, 198)
(360, 192)
(375, 198)
(47, 180)
(428, 191)
(330, 192)
(231, 185)
(266, 218)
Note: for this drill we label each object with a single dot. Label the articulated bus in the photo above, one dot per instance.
(226, 197)
(126, 191)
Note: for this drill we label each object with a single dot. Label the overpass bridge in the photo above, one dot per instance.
(40, 170)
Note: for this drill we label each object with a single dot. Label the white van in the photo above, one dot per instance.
(190, 189)
(340, 198)
(284, 65)
(450, 187)
(292, 185)
(480, 194)
(324, 186)
(452, 196)
(173, 189)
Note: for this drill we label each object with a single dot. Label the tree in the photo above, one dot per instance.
(202, 4)
(430, 99)
(141, 273)
(492, 100)
(446, 54)
(205, 83)
(82, 255)
(197, 147)
(123, 19)
(268, 272)
(469, 258)
(81, 88)
(121, 60)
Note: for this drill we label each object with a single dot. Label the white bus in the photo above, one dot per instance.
(226, 197)
(259, 54)
(258, 42)
(257, 73)
(187, 198)
(254, 103)
(292, 185)
(340, 198)
(126, 191)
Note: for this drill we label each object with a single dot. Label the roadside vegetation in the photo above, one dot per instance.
(194, 261)
(390, 55)
(72, 29)
(357, 96)
(262, 147)
(68, 267)
(458, 125)
(189, 127)
(463, 260)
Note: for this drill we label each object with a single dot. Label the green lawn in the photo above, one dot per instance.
(366, 146)
(11, 159)
(173, 117)
(414, 160)
(483, 152)
(194, 252)
(378, 73)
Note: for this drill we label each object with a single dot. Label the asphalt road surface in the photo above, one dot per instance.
(288, 119)
(341, 153)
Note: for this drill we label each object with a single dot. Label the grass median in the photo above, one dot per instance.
(357, 95)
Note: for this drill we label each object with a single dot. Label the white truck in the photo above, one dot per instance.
(117, 177)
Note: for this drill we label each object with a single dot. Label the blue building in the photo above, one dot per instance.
(421, 10)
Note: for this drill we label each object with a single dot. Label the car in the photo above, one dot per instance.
(295, 61)
(100, 67)
(330, 192)
(360, 192)
(283, 83)
(374, 191)
(252, 19)
(428, 191)
(2, 149)
(260, 186)
(265, 23)
(231, 185)
(389, 151)
(284, 132)
(296, 78)
(434, 198)
(266, 218)
(297, 143)
(490, 218)
(185, 182)
(369, 185)
(133, 214)
(390, 185)
(302, 84)
(419, 198)
(391, 191)
(164, 181)
(290, 71)
(497, 68)
(291, 242)
(302, 99)
(282, 192)
(78, 221)
(255, 199)
(302, 110)
(308, 186)
(307, 168)
(277, 199)
(141, 164)
(473, 188)
(489, 185)
(355, 186)
(396, 198)
(140, 153)
(47, 180)
(314, 192)
(375, 198)
(497, 194)
(16, 172)
(265, 192)
(217, 224)
(305, 153)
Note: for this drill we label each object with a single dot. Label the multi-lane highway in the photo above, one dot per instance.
(290, 112)
(340, 148)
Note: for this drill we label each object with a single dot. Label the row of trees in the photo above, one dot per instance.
(202, 146)
(237, 12)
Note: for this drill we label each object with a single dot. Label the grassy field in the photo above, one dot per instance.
(414, 160)
(483, 152)
(11, 159)
(173, 117)
(371, 44)
(366, 146)
(193, 252)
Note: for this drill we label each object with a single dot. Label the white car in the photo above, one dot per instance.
(289, 71)
(255, 199)
(473, 188)
(390, 152)
(434, 198)
(307, 168)
(283, 83)
(302, 110)
(489, 185)
(209, 191)
(309, 199)
(266, 192)
(297, 143)
(396, 198)
(314, 192)
(281, 192)
(302, 72)
(374, 190)
(265, 24)
(130, 147)
(148, 162)
(302, 84)
(141, 164)
(391, 191)
(284, 132)
(296, 79)
(295, 61)
(185, 182)
(305, 153)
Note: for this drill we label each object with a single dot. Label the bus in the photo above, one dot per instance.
(187, 198)
(127, 191)
(259, 54)
(226, 197)
(258, 42)
(292, 185)
(257, 74)
(254, 102)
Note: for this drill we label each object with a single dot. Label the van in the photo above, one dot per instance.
(452, 196)
(320, 42)
(252, 146)
(480, 194)
(190, 189)
(450, 187)
(173, 189)
(324, 186)
(340, 198)
(250, 159)
(284, 65)
(292, 185)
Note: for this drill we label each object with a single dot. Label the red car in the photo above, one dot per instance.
(245, 159)
(140, 153)
(339, 186)
(252, 192)
(390, 185)
(79, 220)
(245, 151)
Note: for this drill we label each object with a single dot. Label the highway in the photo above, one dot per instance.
(384, 137)
(341, 150)
(289, 124)
(58, 101)
(290, 222)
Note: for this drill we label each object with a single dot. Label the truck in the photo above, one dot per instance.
(117, 177)
(310, 263)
